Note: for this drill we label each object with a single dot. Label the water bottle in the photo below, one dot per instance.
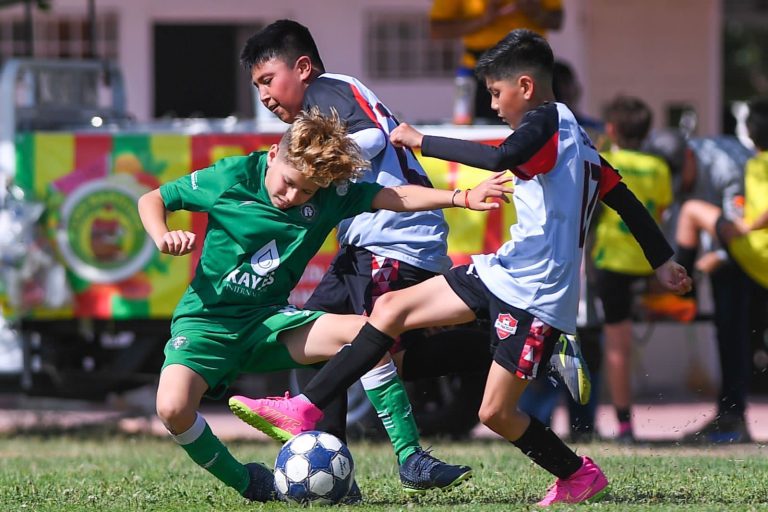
(464, 100)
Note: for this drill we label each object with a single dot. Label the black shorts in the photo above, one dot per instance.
(356, 278)
(520, 342)
(616, 292)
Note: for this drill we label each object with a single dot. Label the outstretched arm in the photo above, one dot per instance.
(530, 150)
(412, 198)
(153, 212)
(647, 233)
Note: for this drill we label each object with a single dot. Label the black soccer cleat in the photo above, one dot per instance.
(261, 488)
(421, 472)
(354, 496)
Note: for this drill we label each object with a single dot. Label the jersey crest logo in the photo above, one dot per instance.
(178, 342)
(342, 188)
(506, 326)
(308, 211)
(265, 259)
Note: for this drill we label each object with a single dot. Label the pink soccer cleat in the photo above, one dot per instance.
(280, 418)
(586, 484)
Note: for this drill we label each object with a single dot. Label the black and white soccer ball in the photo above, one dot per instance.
(314, 468)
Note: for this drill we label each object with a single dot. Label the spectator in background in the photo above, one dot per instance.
(737, 271)
(482, 23)
(567, 90)
(617, 257)
(672, 146)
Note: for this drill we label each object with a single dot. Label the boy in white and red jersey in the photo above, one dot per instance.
(529, 288)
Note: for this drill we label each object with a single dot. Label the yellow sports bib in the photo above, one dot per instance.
(648, 177)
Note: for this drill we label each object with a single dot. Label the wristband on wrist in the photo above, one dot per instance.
(453, 197)
(466, 198)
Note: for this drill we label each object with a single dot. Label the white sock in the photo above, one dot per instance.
(192, 433)
(379, 376)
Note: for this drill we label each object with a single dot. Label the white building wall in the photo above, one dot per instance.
(662, 51)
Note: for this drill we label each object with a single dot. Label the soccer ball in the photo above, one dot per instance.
(314, 468)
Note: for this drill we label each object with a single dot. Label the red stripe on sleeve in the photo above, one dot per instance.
(364, 104)
(543, 160)
(609, 178)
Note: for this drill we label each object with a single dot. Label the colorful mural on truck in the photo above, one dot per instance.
(90, 183)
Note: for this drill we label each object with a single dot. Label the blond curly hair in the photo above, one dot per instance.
(319, 147)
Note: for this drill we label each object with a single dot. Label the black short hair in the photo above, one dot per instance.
(563, 79)
(632, 119)
(757, 122)
(286, 40)
(520, 51)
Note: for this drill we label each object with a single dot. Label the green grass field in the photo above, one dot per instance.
(119, 473)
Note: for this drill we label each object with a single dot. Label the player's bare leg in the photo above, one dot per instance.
(696, 216)
(428, 303)
(178, 399)
(579, 478)
(618, 354)
(431, 303)
(499, 411)
(282, 417)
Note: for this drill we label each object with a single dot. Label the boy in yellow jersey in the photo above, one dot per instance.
(618, 259)
(745, 241)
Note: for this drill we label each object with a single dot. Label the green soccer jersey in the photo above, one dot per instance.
(254, 253)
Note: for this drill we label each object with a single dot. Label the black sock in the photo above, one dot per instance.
(348, 365)
(686, 256)
(623, 415)
(547, 450)
(335, 418)
(334, 414)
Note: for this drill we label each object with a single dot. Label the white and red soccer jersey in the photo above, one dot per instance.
(416, 238)
(559, 177)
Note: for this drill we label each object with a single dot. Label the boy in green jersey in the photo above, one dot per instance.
(268, 214)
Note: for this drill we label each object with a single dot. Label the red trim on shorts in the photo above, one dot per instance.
(530, 356)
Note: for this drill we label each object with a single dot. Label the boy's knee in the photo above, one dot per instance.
(490, 415)
(501, 419)
(389, 313)
(176, 413)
